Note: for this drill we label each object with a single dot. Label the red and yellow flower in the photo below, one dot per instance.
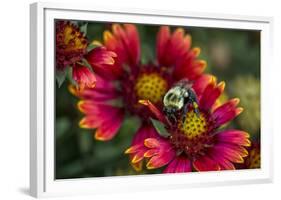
(253, 160)
(71, 49)
(129, 81)
(197, 143)
(71, 44)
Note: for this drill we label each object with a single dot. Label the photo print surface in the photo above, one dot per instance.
(137, 99)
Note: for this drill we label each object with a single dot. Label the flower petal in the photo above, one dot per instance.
(172, 47)
(151, 152)
(125, 42)
(178, 165)
(235, 137)
(204, 163)
(102, 62)
(227, 112)
(90, 122)
(151, 143)
(144, 132)
(132, 42)
(100, 56)
(223, 162)
(89, 107)
(137, 157)
(104, 90)
(83, 76)
(107, 119)
(97, 114)
(138, 148)
(196, 69)
(154, 110)
(161, 159)
(163, 152)
(210, 95)
(175, 48)
(109, 129)
(162, 39)
(202, 82)
(231, 152)
(137, 166)
(188, 66)
(133, 149)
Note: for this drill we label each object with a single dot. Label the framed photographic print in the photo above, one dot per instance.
(129, 100)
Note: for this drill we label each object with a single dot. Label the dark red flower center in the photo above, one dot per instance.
(71, 44)
(192, 136)
(73, 39)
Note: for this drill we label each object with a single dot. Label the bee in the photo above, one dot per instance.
(178, 100)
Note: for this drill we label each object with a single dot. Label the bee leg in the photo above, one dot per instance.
(174, 119)
(196, 110)
(185, 110)
(179, 152)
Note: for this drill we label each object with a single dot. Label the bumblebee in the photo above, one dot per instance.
(178, 100)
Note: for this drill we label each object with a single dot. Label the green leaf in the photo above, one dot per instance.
(83, 28)
(91, 46)
(85, 142)
(62, 126)
(160, 128)
(129, 126)
(60, 76)
(119, 103)
(69, 76)
(87, 64)
(147, 54)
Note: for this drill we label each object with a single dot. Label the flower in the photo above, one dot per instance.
(71, 44)
(128, 81)
(198, 142)
(253, 160)
(71, 51)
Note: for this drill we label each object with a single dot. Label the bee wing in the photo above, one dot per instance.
(184, 83)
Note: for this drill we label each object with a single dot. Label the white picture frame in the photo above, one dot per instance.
(42, 179)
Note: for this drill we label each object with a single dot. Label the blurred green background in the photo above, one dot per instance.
(232, 55)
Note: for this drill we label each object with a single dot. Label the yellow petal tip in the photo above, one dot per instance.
(236, 101)
(221, 85)
(128, 151)
(97, 43)
(150, 166)
(99, 137)
(107, 35)
(196, 51)
(144, 102)
(239, 110)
